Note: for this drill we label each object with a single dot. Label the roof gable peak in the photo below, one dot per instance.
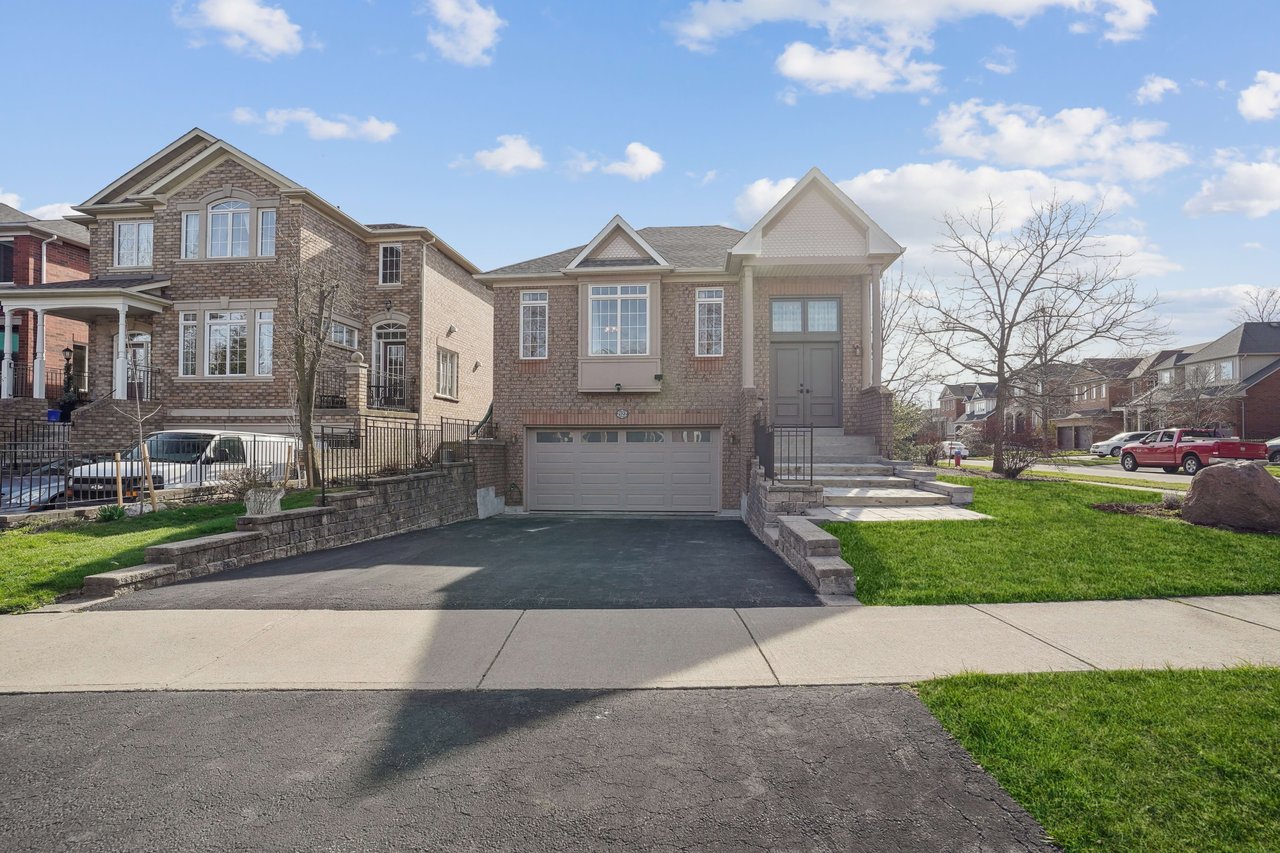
(605, 250)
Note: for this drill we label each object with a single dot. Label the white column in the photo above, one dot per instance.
(877, 328)
(37, 363)
(868, 330)
(6, 375)
(748, 328)
(120, 389)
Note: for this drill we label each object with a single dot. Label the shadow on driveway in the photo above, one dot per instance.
(511, 562)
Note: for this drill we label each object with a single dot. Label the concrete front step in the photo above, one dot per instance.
(832, 496)
(851, 469)
(864, 482)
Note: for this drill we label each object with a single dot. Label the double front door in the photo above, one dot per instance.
(805, 383)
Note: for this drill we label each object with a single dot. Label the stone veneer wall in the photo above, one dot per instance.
(389, 506)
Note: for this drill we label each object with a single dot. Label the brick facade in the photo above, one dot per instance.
(56, 261)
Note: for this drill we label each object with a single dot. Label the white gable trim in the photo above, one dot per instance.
(878, 240)
(210, 157)
(617, 224)
(127, 177)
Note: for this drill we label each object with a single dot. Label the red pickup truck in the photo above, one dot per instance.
(1188, 449)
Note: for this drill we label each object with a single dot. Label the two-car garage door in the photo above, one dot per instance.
(624, 470)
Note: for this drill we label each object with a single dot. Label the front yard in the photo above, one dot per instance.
(1045, 543)
(1128, 760)
(42, 563)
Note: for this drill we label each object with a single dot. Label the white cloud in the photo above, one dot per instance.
(1252, 245)
(1251, 188)
(1141, 257)
(581, 163)
(467, 31)
(275, 121)
(247, 26)
(788, 96)
(642, 162)
(1084, 142)
(860, 70)
(707, 177)
(1002, 60)
(755, 200)
(1261, 101)
(11, 199)
(513, 154)
(56, 210)
(1154, 88)
(1202, 313)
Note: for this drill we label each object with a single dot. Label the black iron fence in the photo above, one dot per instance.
(54, 381)
(785, 452)
(331, 390)
(396, 395)
(354, 454)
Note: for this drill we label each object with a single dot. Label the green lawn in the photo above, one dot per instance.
(1045, 543)
(1158, 760)
(41, 564)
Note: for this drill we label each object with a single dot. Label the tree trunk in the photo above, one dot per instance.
(997, 442)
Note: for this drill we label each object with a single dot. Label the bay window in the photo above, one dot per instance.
(533, 324)
(709, 321)
(133, 244)
(619, 319)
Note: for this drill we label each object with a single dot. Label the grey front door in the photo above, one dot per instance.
(805, 383)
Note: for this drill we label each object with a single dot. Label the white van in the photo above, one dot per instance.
(183, 459)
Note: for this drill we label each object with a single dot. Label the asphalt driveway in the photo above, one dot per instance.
(811, 768)
(511, 562)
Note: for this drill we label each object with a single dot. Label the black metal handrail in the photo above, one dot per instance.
(397, 395)
(785, 452)
(331, 390)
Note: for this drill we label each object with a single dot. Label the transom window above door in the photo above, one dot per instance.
(800, 316)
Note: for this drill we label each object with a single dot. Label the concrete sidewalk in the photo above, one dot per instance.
(618, 649)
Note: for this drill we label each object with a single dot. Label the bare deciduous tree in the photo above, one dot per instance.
(1261, 305)
(1198, 401)
(1033, 295)
(910, 366)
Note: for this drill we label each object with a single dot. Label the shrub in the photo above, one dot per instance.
(110, 512)
(238, 481)
(1018, 457)
(1172, 500)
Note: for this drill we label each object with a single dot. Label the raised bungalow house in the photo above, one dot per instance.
(1098, 389)
(187, 306)
(629, 370)
(34, 252)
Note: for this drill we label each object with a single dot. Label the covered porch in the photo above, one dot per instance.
(131, 303)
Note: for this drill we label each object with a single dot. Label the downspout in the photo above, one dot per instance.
(44, 259)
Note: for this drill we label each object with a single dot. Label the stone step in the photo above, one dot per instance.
(826, 457)
(852, 469)
(881, 497)
(869, 481)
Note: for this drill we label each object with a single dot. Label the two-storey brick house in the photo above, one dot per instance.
(629, 370)
(1099, 388)
(188, 302)
(34, 252)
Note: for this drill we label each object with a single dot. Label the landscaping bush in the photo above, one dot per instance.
(238, 481)
(110, 512)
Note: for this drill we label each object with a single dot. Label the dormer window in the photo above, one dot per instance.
(229, 229)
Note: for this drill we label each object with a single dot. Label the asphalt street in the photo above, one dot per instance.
(525, 562)
(854, 768)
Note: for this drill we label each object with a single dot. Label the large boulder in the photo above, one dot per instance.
(1234, 494)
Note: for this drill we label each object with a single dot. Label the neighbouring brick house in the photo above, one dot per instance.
(630, 370)
(965, 407)
(34, 252)
(1099, 389)
(187, 303)
(1232, 383)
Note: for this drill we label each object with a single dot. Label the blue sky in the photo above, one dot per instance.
(519, 128)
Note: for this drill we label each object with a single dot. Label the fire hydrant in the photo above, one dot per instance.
(956, 458)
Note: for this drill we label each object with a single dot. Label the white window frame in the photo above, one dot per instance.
(382, 264)
(137, 225)
(446, 374)
(1226, 371)
(246, 211)
(266, 250)
(210, 322)
(530, 302)
(264, 321)
(706, 296)
(191, 234)
(344, 335)
(617, 294)
(188, 321)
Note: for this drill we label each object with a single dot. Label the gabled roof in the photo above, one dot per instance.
(969, 390)
(13, 219)
(1245, 339)
(10, 215)
(684, 247)
(879, 243)
(156, 164)
(637, 252)
(1109, 368)
(1177, 357)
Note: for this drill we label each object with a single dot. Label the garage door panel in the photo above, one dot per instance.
(645, 470)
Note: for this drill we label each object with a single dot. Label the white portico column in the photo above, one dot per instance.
(6, 374)
(120, 387)
(868, 330)
(748, 328)
(37, 363)
(877, 328)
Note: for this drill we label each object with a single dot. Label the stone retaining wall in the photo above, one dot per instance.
(389, 505)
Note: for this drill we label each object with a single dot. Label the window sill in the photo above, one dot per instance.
(237, 260)
(147, 268)
(191, 380)
(390, 285)
(446, 398)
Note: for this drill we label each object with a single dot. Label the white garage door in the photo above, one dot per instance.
(624, 470)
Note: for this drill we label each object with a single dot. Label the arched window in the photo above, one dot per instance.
(229, 229)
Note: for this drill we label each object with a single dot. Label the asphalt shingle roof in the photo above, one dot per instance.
(12, 216)
(89, 284)
(684, 246)
(1245, 339)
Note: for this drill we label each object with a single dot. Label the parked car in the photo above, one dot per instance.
(184, 459)
(1273, 451)
(40, 487)
(1188, 449)
(1111, 446)
(951, 448)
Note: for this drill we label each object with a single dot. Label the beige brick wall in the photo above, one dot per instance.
(454, 298)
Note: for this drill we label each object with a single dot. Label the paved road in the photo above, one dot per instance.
(781, 768)
(1108, 471)
(512, 562)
